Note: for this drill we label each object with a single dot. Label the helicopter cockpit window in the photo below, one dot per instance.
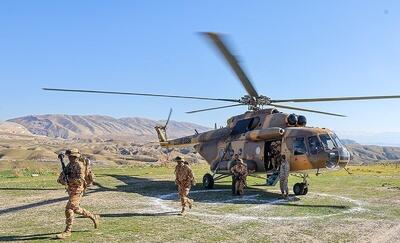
(337, 140)
(245, 125)
(315, 145)
(327, 141)
(253, 123)
(299, 147)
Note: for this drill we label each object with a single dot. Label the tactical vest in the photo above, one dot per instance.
(79, 172)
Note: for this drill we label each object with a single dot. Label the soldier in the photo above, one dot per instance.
(184, 178)
(275, 151)
(235, 160)
(78, 177)
(240, 173)
(284, 175)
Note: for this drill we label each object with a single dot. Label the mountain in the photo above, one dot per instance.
(13, 128)
(372, 153)
(372, 138)
(348, 141)
(96, 127)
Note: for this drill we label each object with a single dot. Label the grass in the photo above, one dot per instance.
(128, 198)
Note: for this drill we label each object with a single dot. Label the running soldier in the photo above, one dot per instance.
(184, 178)
(76, 177)
(240, 173)
(284, 175)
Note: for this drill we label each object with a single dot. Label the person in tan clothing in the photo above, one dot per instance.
(184, 178)
(284, 175)
(240, 173)
(76, 177)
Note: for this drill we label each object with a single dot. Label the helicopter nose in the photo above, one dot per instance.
(332, 161)
(338, 158)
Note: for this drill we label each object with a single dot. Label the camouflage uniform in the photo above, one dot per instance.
(275, 152)
(284, 175)
(79, 177)
(235, 160)
(240, 173)
(184, 178)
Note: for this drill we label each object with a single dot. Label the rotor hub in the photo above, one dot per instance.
(255, 103)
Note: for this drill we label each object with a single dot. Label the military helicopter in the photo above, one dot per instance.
(252, 134)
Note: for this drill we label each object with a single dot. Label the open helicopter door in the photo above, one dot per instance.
(269, 154)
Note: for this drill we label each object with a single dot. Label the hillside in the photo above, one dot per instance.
(13, 128)
(373, 153)
(96, 127)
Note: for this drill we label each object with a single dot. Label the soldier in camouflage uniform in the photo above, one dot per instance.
(235, 160)
(275, 152)
(240, 173)
(184, 178)
(78, 177)
(284, 175)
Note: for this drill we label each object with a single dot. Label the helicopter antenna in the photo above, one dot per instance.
(169, 117)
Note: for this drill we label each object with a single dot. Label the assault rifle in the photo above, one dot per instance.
(64, 171)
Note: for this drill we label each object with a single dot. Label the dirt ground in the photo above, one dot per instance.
(140, 204)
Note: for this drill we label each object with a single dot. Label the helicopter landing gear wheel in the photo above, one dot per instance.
(300, 189)
(208, 181)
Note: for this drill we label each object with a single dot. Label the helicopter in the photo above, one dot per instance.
(252, 134)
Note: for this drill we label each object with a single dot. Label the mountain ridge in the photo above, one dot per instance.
(102, 127)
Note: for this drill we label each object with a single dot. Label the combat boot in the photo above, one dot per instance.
(64, 235)
(183, 211)
(96, 220)
(190, 202)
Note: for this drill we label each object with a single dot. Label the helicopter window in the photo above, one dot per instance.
(299, 147)
(253, 123)
(314, 144)
(337, 140)
(327, 141)
(245, 125)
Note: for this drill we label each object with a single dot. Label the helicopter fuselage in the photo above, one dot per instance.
(250, 136)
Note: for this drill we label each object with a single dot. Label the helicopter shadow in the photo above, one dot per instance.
(222, 193)
(167, 190)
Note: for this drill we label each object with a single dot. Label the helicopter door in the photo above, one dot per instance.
(299, 153)
(268, 156)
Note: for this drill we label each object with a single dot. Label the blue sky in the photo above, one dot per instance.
(290, 49)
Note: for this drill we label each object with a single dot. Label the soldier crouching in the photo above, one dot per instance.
(77, 177)
(184, 179)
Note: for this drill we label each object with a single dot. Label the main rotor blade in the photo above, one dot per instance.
(139, 94)
(233, 62)
(302, 109)
(215, 108)
(339, 98)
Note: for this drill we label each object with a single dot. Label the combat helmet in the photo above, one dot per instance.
(179, 159)
(73, 152)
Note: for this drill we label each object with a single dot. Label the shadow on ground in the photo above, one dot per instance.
(158, 188)
(45, 236)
